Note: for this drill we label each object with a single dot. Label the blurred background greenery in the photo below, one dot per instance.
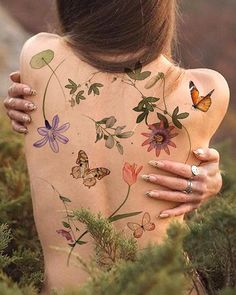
(207, 38)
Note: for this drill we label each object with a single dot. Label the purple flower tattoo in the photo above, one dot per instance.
(159, 138)
(52, 134)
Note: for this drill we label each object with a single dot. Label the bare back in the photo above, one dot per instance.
(101, 131)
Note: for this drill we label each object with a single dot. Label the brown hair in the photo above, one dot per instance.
(140, 29)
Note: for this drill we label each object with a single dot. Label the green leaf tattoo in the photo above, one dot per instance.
(107, 131)
(163, 118)
(95, 88)
(176, 117)
(136, 73)
(122, 216)
(145, 106)
(72, 86)
(77, 91)
(42, 59)
(154, 80)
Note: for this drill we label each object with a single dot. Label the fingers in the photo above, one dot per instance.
(19, 127)
(17, 90)
(15, 77)
(175, 183)
(173, 167)
(174, 196)
(207, 155)
(19, 104)
(180, 210)
(18, 116)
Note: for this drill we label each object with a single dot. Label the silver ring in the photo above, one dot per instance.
(195, 170)
(189, 188)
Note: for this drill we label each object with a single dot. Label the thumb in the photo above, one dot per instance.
(207, 154)
(15, 77)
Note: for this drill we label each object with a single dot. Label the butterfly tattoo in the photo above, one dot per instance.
(139, 229)
(90, 176)
(201, 103)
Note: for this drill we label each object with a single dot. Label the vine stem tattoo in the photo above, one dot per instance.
(47, 85)
(56, 76)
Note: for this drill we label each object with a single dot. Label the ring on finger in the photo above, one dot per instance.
(195, 170)
(189, 188)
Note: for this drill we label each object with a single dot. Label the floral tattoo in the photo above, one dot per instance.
(51, 132)
(70, 229)
(160, 136)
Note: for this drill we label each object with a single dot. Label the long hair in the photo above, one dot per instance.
(140, 30)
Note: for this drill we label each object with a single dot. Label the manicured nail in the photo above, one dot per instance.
(199, 152)
(30, 106)
(149, 177)
(12, 74)
(145, 177)
(23, 130)
(158, 164)
(29, 91)
(164, 215)
(33, 92)
(148, 194)
(26, 118)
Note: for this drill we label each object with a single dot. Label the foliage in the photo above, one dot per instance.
(110, 246)
(156, 270)
(20, 252)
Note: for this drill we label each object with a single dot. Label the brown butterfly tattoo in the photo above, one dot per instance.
(139, 229)
(89, 176)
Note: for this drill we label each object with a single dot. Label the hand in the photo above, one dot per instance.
(207, 184)
(17, 107)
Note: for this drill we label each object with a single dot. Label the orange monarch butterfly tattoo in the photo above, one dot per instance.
(139, 229)
(90, 176)
(201, 103)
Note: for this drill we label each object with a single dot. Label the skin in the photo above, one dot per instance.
(19, 111)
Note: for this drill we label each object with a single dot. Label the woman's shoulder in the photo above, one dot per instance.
(211, 96)
(210, 79)
(41, 37)
(38, 43)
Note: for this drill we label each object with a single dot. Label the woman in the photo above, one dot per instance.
(111, 106)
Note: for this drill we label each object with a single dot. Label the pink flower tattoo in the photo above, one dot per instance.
(130, 173)
(52, 134)
(65, 234)
(159, 138)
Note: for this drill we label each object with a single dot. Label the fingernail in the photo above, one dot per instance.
(148, 177)
(12, 74)
(33, 92)
(30, 106)
(145, 177)
(164, 215)
(199, 152)
(29, 91)
(23, 130)
(148, 194)
(158, 164)
(26, 118)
